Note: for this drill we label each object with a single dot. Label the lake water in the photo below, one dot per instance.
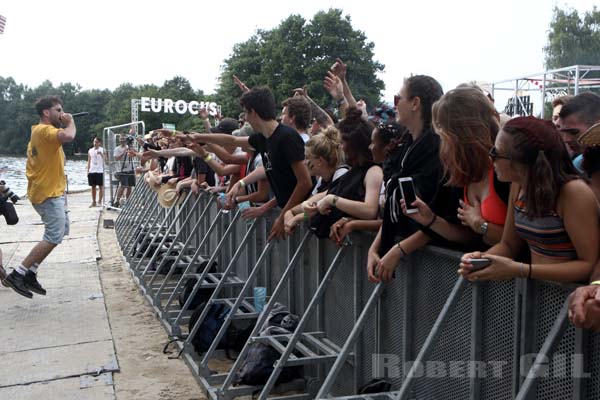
(12, 170)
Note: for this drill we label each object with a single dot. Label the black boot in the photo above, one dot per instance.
(32, 283)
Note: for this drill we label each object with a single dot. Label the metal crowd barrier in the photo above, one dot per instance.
(431, 334)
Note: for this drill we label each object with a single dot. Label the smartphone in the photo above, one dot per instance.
(479, 263)
(407, 188)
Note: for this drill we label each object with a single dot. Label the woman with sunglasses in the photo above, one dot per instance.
(552, 210)
(418, 158)
(467, 124)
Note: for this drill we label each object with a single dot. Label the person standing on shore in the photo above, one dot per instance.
(95, 170)
(45, 189)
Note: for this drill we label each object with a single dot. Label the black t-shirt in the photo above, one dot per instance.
(201, 167)
(278, 152)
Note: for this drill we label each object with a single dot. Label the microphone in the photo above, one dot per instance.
(79, 114)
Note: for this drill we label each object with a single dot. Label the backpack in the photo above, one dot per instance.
(234, 339)
(202, 295)
(257, 366)
(209, 328)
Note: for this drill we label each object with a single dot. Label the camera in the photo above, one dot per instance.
(5, 193)
(129, 140)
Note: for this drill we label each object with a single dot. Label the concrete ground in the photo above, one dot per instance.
(93, 336)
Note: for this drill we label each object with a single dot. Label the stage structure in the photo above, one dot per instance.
(529, 93)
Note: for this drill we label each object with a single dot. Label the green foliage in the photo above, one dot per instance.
(298, 53)
(573, 40)
(106, 108)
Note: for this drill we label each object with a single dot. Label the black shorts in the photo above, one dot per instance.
(96, 179)
(126, 179)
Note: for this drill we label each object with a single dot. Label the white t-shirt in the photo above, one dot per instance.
(96, 160)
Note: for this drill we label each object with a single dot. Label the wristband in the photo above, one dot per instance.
(432, 222)
(174, 132)
(404, 253)
(530, 268)
(335, 199)
(595, 283)
(522, 270)
(207, 157)
(242, 183)
(305, 216)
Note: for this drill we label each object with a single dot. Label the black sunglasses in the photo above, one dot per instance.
(494, 154)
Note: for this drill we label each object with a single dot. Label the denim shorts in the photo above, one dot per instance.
(55, 218)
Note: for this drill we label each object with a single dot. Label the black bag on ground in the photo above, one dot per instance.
(260, 358)
(203, 294)
(234, 339)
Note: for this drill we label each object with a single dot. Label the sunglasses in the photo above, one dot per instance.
(494, 155)
(570, 131)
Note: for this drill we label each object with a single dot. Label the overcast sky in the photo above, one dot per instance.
(102, 44)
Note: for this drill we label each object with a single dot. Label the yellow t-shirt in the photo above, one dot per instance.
(45, 164)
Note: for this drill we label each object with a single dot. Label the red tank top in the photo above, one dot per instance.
(493, 209)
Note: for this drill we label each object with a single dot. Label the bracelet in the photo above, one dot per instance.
(432, 221)
(242, 183)
(335, 199)
(208, 157)
(404, 253)
(174, 132)
(595, 283)
(305, 216)
(529, 274)
(522, 265)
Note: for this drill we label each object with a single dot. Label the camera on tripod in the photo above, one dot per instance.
(6, 193)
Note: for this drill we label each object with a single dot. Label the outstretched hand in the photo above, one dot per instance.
(240, 84)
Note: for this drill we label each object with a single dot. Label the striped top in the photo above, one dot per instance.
(546, 236)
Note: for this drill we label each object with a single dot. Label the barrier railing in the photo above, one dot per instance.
(431, 334)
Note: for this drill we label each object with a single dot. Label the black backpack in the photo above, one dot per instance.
(234, 339)
(202, 295)
(258, 363)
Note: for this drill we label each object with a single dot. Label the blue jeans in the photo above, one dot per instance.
(55, 217)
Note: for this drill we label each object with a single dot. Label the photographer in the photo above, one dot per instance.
(7, 209)
(125, 173)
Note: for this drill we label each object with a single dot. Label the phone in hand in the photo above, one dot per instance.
(479, 263)
(407, 189)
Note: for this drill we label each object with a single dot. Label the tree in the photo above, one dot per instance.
(298, 53)
(573, 40)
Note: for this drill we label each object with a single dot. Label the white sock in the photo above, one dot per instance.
(34, 268)
(21, 270)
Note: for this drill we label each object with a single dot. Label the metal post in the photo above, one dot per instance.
(433, 336)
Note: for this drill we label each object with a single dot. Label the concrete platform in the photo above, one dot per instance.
(58, 346)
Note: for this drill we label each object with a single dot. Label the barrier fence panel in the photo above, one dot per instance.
(489, 340)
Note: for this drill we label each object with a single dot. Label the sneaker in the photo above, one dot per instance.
(17, 282)
(32, 283)
(92, 205)
(3, 276)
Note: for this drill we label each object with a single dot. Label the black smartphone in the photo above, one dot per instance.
(407, 188)
(479, 263)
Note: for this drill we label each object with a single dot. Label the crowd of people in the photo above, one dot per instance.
(520, 193)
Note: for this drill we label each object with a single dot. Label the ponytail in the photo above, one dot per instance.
(542, 190)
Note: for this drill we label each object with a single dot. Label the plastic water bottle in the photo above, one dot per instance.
(260, 297)
(222, 200)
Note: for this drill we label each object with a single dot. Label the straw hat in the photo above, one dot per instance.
(591, 137)
(167, 196)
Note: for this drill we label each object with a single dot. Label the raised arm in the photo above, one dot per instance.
(67, 134)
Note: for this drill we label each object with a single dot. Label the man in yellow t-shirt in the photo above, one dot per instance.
(46, 187)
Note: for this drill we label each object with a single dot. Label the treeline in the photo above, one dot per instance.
(106, 108)
(295, 53)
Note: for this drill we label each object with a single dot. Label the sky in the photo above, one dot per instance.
(106, 43)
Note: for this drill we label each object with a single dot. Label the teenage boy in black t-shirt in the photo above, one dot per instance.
(281, 149)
